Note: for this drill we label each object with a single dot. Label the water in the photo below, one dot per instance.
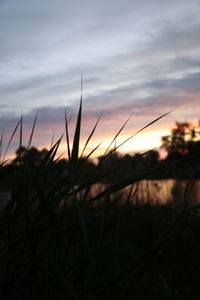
(156, 191)
(161, 191)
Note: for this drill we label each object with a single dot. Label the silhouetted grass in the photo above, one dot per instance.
(59, 241)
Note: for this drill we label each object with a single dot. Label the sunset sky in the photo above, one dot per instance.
(136, 56)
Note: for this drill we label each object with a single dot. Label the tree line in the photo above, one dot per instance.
(182, 159)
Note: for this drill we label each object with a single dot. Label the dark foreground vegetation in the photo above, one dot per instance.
(60, 241)
(182, 159)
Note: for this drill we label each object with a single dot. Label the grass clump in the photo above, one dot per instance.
(58, 240)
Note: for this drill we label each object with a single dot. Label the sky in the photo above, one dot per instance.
(136, 57)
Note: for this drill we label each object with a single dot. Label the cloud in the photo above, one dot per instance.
(135, 56)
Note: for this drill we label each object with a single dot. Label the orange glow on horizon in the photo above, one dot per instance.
(139, 143)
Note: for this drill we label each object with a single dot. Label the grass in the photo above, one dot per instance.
(57, 240)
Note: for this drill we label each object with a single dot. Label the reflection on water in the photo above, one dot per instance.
(161, 191)
(155, 191)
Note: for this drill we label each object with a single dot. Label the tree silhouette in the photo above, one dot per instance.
(32, 156)
(183, 137)
(152, 157)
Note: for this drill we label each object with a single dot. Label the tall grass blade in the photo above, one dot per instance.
(116, 147)
(152, 122)
(105, 156)
(67, 135)
(58, 158)
(52, 152)
(118, 133)
(123, 184)
(76, 141)
(20, 136)
(55, 148)
(32, 132)
(98, 178)
(91, 134)
(89, 183)
(4, 162)
(133, 135)
(93, 150)
(1, 146)
(11, 138)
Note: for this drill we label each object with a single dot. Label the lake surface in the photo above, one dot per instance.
(155, 191)
(162, 191)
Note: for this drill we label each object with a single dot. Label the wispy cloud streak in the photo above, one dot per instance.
(136, 56)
